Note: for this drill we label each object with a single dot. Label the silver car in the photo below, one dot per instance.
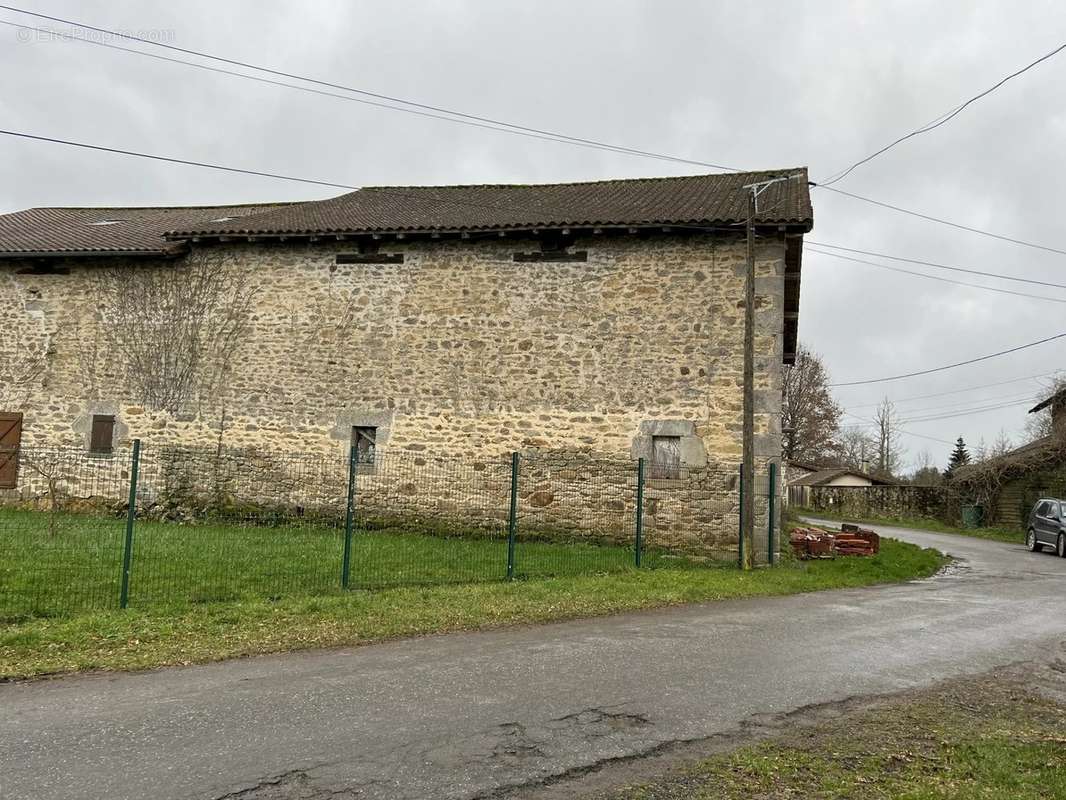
(1047, 526)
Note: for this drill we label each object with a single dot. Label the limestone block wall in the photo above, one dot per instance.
(458, 351)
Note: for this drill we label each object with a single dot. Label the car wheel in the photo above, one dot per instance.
(1060, 545)
(1030, 541)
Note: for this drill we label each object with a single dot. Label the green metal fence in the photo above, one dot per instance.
(150, 526)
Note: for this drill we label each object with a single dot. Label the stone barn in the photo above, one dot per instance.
(600, 319)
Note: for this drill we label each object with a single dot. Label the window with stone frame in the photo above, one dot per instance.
(364, 442)
(665, 457)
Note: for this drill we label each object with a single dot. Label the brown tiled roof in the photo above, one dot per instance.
(804, 465)
(824, 476)
(105, 231)
(692, 200)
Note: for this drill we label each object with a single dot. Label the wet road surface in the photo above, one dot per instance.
(468, 715)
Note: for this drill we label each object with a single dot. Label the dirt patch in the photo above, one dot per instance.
(996, 735)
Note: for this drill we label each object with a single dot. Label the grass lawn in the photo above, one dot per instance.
(1011, 535)
(72, 563)
(149, 637)
(985, 738)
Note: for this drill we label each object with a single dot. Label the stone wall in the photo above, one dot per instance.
(903, 501)
(562, 496)
(458, 351)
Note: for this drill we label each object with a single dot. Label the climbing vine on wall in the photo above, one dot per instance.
(176, 328)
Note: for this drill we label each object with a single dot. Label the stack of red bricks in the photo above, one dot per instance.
(818, 543)
(812, 543)
(855, 541)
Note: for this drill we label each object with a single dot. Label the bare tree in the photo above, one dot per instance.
(1001, 445)
(853, 448)
(889, 451)
(810, 419)
(925, 470)
(51, 466)
(176, 328)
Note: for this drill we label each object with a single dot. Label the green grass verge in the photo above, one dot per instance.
(922, 523)
(975, 739)
(141, 638)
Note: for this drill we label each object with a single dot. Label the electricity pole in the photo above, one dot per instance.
(747, 470)
(747, 467)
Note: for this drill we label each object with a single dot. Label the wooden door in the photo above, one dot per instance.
(10, 439)
(666, 457)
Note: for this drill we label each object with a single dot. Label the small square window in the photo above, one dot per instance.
(666, 457)
(364, 442)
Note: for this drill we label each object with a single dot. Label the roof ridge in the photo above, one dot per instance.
(160, 208)
(598, 182)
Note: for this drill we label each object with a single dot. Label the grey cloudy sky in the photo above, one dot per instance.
(752, 85)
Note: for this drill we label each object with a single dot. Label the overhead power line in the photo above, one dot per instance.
(171, 160)
(924, 436)
(979, 231)
(961, 405)
(919, 414)
(950, 366)
(951, 415)
(939, 266)
(959, 391)
(967, 412)
(223, 168)
(943, 118)
(426, 109)
(867, 424)
(408, 106)
(937, 277)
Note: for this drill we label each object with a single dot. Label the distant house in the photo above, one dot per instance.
(802, 477)
(1008, 485)
(794, 470)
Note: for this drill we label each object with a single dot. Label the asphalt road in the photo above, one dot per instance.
(465, 715)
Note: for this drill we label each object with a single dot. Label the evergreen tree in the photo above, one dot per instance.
(959, 457)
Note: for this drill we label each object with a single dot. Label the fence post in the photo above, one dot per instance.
(512, 518)
(639, 543)
(131, 515)
(349, 515)
(740, 515)
(772, 501)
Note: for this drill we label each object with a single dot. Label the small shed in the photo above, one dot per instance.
(799, 488)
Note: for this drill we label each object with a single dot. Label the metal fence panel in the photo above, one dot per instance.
(214, 524)
(222, 524)
(422, 519)
(62, 532)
